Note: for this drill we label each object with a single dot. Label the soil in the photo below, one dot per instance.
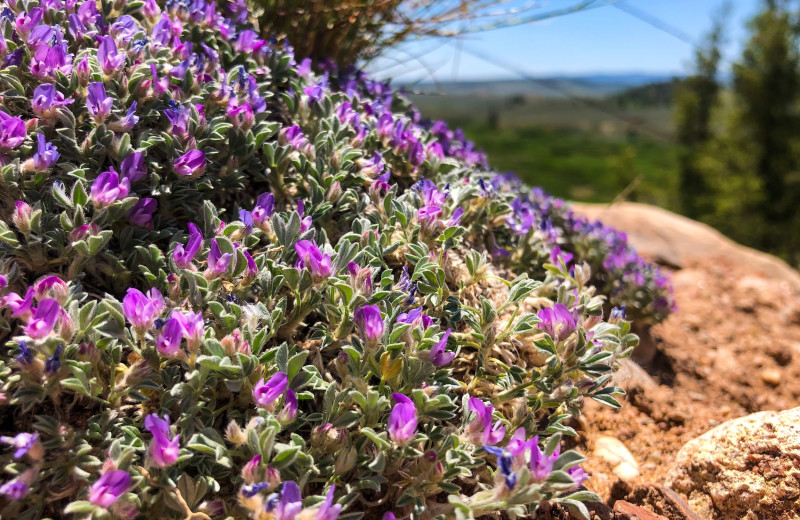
(731, 349)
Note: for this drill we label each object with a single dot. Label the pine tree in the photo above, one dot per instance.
(766, 90)
(695, 100)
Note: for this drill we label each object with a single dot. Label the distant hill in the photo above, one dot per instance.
(652, 95)
(594, 85)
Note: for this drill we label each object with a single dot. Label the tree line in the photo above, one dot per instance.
(739, 138)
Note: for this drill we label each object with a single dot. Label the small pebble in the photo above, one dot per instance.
(771, 376)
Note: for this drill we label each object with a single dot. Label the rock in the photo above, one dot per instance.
(615, 453)
(640, 513)
(771, 376)
(661, 500)
(745, 468)
(680, 242)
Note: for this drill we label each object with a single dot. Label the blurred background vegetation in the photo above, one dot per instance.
(719, 147)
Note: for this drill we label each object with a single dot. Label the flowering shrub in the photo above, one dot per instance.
(233, 287)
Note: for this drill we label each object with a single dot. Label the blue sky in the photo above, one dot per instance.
(604, 39)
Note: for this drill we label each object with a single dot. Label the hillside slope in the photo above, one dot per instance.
(732, 348)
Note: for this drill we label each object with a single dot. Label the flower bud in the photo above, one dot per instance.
(251, 472)
(51, 287)
(345, 461)
(234, 434)
(66, 327)
(334, 192)
(326, 438)
(272, 476)
(22, 216)
(289, 412)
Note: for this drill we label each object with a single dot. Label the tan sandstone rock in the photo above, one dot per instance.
(618, 456)
(745, 468)
(678, 241)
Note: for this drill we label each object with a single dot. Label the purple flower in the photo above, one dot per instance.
(107, 188)
(53, 363)
(12, 131)
(290, 407)
(416, 153)
(504, 464)
(24, 443)
(314, 93)
(360, 278)
(305, 223)
(15, 489)
(44, 319)
(109, 487)
(25, 22)
(110, 60)
(47, 59)
(169, 338)
(163, 450)
(434, 151)
(127, 122)
(13, 59)
(304, 69)
(20, 307)
(246, 41)
(265, 205)
(46, 154)
(45, 98)
(98, 103)
(414, 317)
(481, 430)
(369, 321)
(183, 255)
(402, 422)
(142, 310)
(218, 263)
(290, 503)
(557, 321)
(124, 29)
(161, 85)
(179, 117)
(192, 327)
(556, 254)
(252, 269)
(427, 215)
(328, 510)
(82, 70)
(141, 214)
(438, 355)
(540, 465)
(518, 445)
(190, 164)
(51, 287)
(294, 137)
(88, 13)
(267, 392)
(578, 475)
(25, 356)
(77, 28)
(372, 167)
(311, 258)
(455, 218)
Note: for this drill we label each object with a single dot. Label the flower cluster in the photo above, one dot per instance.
(233, 285)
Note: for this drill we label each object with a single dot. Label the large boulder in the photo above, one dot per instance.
(745, 468)
(680, 242)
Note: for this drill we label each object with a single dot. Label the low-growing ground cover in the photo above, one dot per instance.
(236, 285)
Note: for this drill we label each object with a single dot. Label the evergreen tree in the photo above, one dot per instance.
(695, 100)
(766, 90)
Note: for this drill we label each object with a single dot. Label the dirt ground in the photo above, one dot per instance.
(731, 349)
